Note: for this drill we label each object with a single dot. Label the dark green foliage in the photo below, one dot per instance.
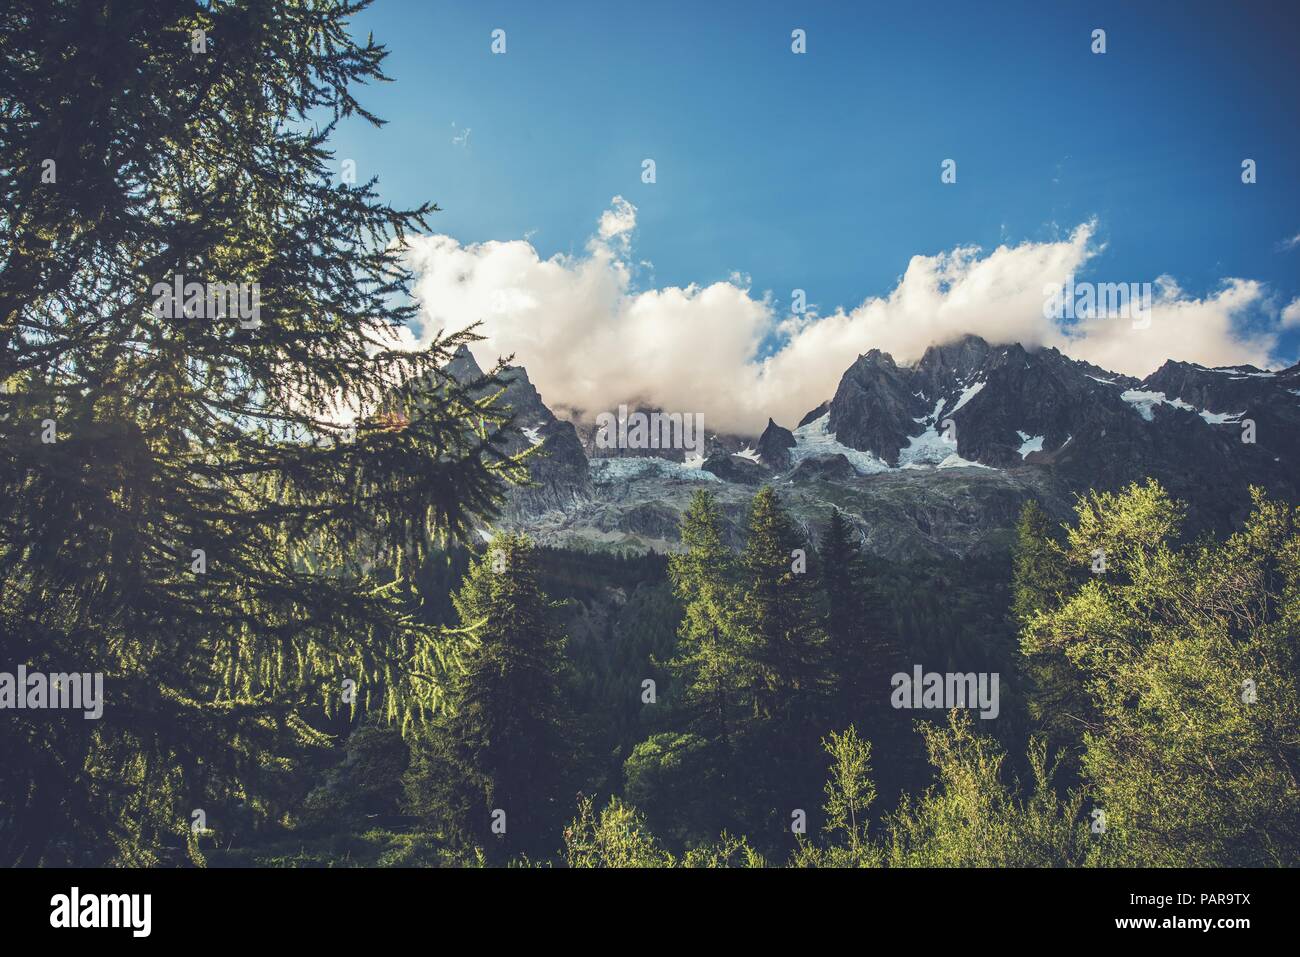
(186, 434)
(962, 792)
(785, 669)
(1189, 660)
(436, 581)
(616, 646)
(1040, 571)
(366, 785)
(782, 644)
(863, 653)
(710, 700)
(1058, 703)
(843, 585)
(677, 780)
(503, 743)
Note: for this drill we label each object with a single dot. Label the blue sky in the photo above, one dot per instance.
(821, 171)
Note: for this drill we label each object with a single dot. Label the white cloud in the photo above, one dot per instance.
(1208, 331)
(618, 221)
(1291, 314)
(591, 340)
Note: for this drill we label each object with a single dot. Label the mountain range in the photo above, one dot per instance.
(926, 460)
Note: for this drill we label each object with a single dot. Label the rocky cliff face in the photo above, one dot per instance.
(558, 470)
(1205, 433)
(876, 406)
(774, 446)
(935, 458)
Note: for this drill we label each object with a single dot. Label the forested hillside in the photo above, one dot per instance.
(730, 709)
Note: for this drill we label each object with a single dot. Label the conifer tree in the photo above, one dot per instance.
(783, 642)
(690, 777)
(841, 581)
(504, 744)
(184, 507)
(1059, 706)
(706, 668)
(1040, 570)
(782, 647)
(858, 649)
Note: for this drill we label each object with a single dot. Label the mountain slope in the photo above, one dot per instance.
(936, 458)
(558, 471)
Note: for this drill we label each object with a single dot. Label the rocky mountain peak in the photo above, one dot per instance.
(876, 357)
(875, 405)
(958, 358)
(774, 446)
(462, 366)
(558, 471)
(934, 457)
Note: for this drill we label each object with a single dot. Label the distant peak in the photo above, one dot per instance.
(773, 446)
(876, 357)
(462, 365)
(968, 344)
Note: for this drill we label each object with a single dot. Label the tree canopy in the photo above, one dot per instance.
(213, 513)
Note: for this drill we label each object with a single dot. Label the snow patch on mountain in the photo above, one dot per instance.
(1029, 443)
(816, 439)
(610, 471)
(1237, 372)
(955, 461)
(930, 449)
(934, 416)
(967, 394)
(1145, 402)
(1221, 418)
